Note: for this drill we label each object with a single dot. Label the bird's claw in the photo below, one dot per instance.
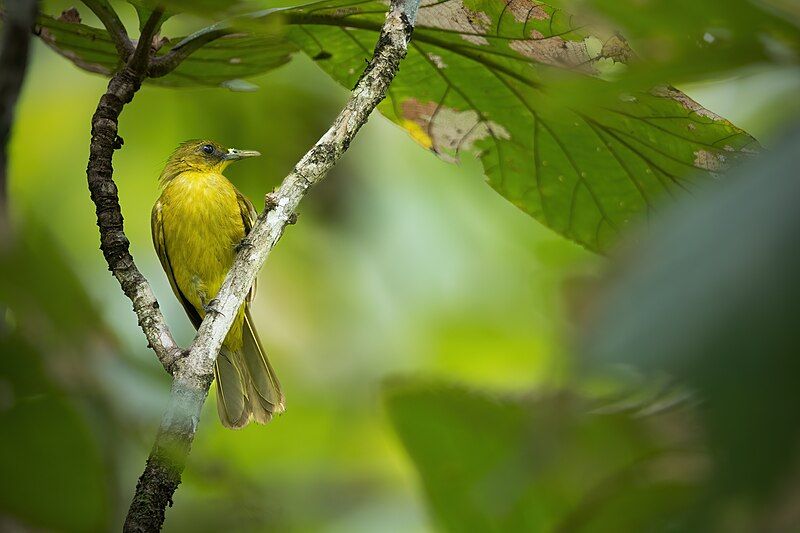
(212, 307)
(244, 244)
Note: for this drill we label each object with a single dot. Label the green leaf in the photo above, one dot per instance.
(53, 473)
(88, 48)
(205, 8)
(481, 77)
(223, 62)
(545, 463)
(473, 82)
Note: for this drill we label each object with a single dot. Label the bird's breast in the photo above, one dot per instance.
(202, 225)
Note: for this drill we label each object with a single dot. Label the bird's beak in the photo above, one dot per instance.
(234, 154)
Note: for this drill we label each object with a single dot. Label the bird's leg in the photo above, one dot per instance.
(244, 244)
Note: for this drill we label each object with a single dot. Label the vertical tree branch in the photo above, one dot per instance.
(19, 19)
(99, 173)
(193, 374)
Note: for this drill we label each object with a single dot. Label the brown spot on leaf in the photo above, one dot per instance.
(437, 60)
(70, 15)
(523, 10)
(713, 162)
(617, 48)
(452, 15)
(555, 51)
(416, 111)
(689, 104)
(451, 131)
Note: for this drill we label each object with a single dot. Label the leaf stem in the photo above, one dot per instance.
(116, 30)
(140, 60)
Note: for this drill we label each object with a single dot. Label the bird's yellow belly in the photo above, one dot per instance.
(202, 225)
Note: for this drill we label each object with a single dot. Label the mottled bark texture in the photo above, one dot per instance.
(103, 190)
(193, 373)
(162, 472)
(16, 37)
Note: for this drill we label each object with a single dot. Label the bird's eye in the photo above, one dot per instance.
(208, 149)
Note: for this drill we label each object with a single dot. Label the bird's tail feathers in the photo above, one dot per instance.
(266, 396)
(247, 387)
(232, 404)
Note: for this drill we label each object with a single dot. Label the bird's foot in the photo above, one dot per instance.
(212, 307)
(244, 244)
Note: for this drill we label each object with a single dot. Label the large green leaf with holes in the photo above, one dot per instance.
(473, 81)
(481, 77)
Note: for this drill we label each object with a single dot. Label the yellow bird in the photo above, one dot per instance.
(197, 224)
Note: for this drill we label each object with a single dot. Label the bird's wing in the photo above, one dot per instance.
(157, 229)
(249, 216)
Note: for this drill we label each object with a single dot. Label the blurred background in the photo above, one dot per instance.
(389, 272)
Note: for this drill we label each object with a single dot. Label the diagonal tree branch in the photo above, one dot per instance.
(116, 30)
(99, 173)
(194, 373)
(19, 19)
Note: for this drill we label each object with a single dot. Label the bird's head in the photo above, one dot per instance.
(202, 156)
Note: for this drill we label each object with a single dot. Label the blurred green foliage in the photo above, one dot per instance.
(683, 40)
(551, 462)
(719, 311)
(53, 473)
(400, 264)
